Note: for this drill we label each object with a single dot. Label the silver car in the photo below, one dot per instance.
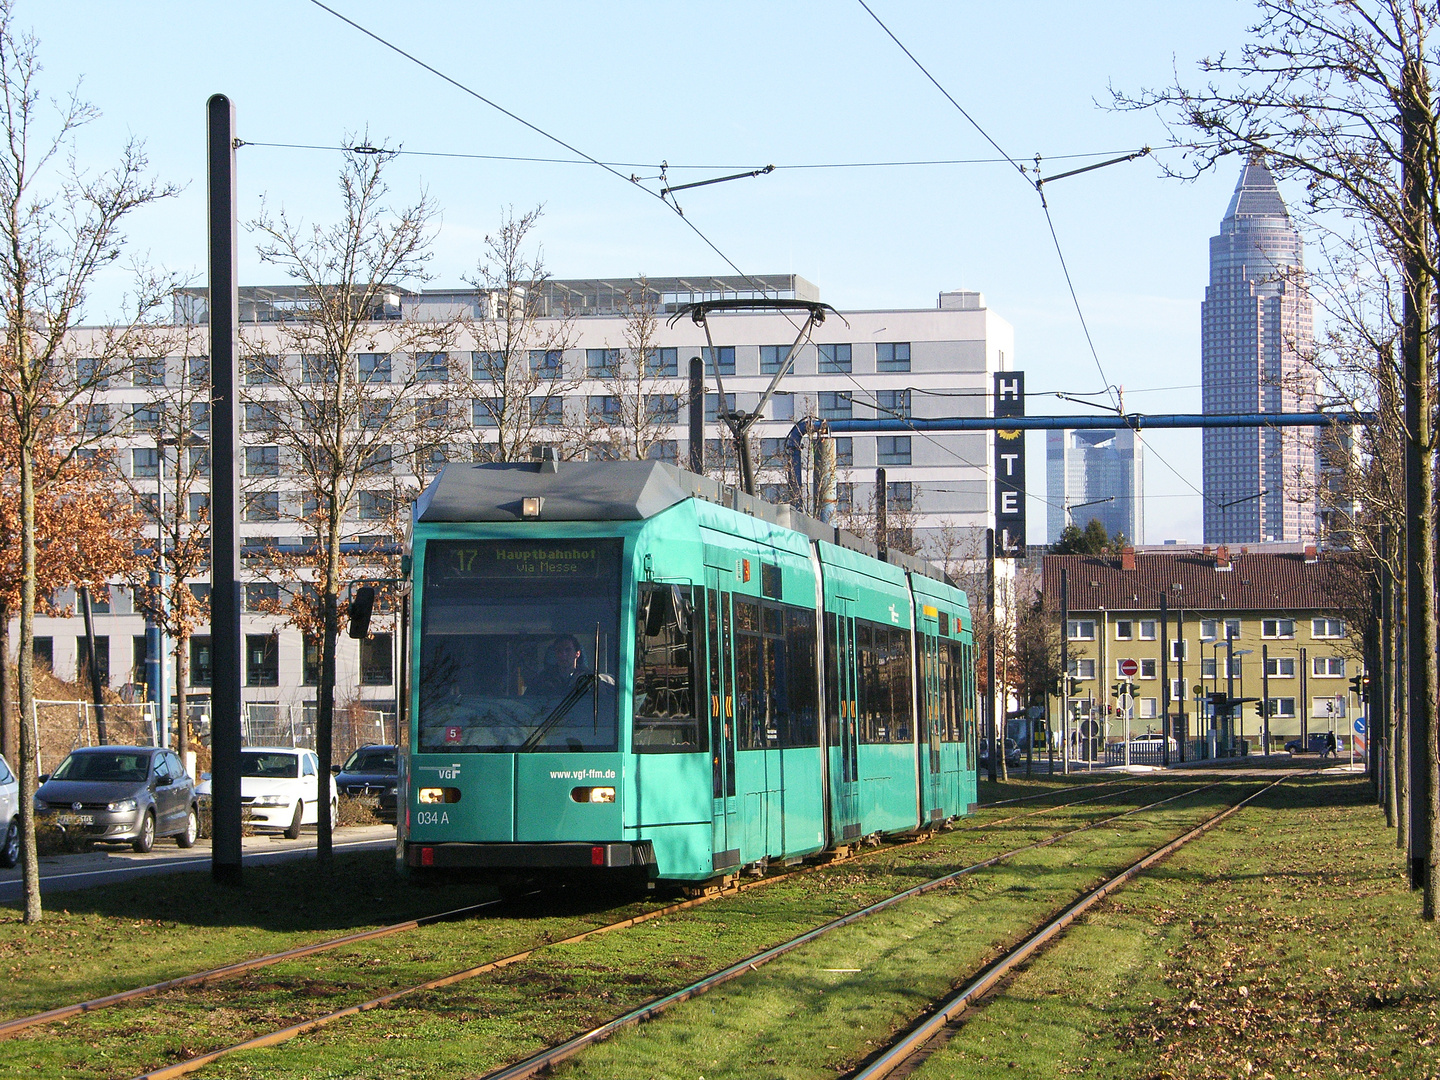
(129, 793)
(9, 815)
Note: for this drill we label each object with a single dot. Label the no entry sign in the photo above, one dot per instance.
(1129, 668)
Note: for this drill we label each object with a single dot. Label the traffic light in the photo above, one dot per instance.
(1360, 686)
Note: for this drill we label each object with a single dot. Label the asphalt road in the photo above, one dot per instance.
(62, 873)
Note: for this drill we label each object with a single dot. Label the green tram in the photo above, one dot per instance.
(624, 665)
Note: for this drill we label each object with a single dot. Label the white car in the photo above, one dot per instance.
(277, 788)
(9, 816)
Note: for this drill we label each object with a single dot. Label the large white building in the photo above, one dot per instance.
(929, 362)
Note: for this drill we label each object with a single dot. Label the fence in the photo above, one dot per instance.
(275, 724)
(61, 726)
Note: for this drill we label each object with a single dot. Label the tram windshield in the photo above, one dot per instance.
(518, 646)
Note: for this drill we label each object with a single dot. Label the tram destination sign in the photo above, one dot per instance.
(527, 560)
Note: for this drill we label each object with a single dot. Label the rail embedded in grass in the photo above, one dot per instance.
(283, 1035)
(914, 1040)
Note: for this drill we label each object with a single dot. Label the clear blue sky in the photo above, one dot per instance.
(734, 84)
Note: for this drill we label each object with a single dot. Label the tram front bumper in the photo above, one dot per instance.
(568, 856)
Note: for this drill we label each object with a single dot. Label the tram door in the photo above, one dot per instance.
(847, 776)
(931, 689)
(722, 725)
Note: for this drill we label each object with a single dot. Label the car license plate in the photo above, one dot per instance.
(75, 819)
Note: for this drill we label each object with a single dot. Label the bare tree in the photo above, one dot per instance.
(642, 395)
(1341, 95)
(59, 227)
(332, 391)
(517, 383)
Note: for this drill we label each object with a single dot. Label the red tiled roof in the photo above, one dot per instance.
(1264, 581)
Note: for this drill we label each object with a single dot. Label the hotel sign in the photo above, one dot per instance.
(1009, 466)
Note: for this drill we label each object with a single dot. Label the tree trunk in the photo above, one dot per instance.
(325, 712)
(1420, 490)
(29, 855)
(182, 678)
(9, 736)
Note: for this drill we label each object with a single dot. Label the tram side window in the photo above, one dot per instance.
(867, 692)
(803, 728)
(750, 718)
(902, 702)
(666, 717)
(832, 678)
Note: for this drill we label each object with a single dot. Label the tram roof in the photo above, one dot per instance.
(611, 491)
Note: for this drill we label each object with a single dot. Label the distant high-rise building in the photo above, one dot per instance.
(1095, 476)
(1255, 329)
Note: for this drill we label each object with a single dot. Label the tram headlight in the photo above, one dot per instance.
(430, 796)
(593, 794)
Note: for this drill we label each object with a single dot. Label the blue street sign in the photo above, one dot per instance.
(1360, 725)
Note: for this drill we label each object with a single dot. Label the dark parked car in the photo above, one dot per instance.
(1012, 752)
(1317, 744)
(129, 793)
(372, 771)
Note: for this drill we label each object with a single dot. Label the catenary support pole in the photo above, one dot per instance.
(1164, 679)
(97, 679)
(996, 749)
(697, 415)
(1265, 698)
(1065, 668)
(882, 522)
(225, 864)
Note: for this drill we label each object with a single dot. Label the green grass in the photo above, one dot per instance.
(1286, 945)
(127, 936)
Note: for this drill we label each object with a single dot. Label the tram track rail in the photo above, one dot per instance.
(14, 1026)
(904, 1051)
(286, 1034)
(539, 1064)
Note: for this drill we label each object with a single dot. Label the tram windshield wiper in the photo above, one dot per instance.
(563, 706)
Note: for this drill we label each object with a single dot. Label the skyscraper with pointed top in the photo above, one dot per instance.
(1256, 330)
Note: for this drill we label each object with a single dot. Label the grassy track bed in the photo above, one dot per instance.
(477, 1026)
(94, 945)
(1285, 944)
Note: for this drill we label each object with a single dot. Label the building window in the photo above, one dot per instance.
(1148, 629)
(487, 365)
(602, 363)
(259, 371)
(1207, 667)
(836, 405)
(45, 653)
(724, 355)
(149, 371)
(144, 417)
(603, 407)
(375, 414)
(1213, 629)
(310, 663)
(378, 461)
(1177, 690)
(376, 661)
(432, 367)
(144, 461)
(771, 357)
(1277, 628)
(900, 495)
(1081, 630)
(712, 406)
(199, 509)
(1327, 628)
(374, 505)
(139, 660)
(374, 367)
(1124, 630)
(782, 407)
(845, 498)
(1282, 706)
(202, 661)
(261, 418)
(1149, 708)
(262, 506)
(102, 659)
(1327, 667)
(316, 370)
(262, 660)
(892, 403)
(1327, 707)
(200, 417)
(1280, 667)
(97, 420)
(1082, 668)
(1147, 669)
(488, 411)
(548, 411)
(199, 459)
(845, 452)
(547, 363)
(198, 370)
(772, 453)
(431, 413)
(892, 356)
(662, 408)
(262, 461)
(834, 359)
(261, 594)
(662, 362)
(92, 373)
(667, 450)
(892, 450)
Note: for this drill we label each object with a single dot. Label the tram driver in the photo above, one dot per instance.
(564, 661)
